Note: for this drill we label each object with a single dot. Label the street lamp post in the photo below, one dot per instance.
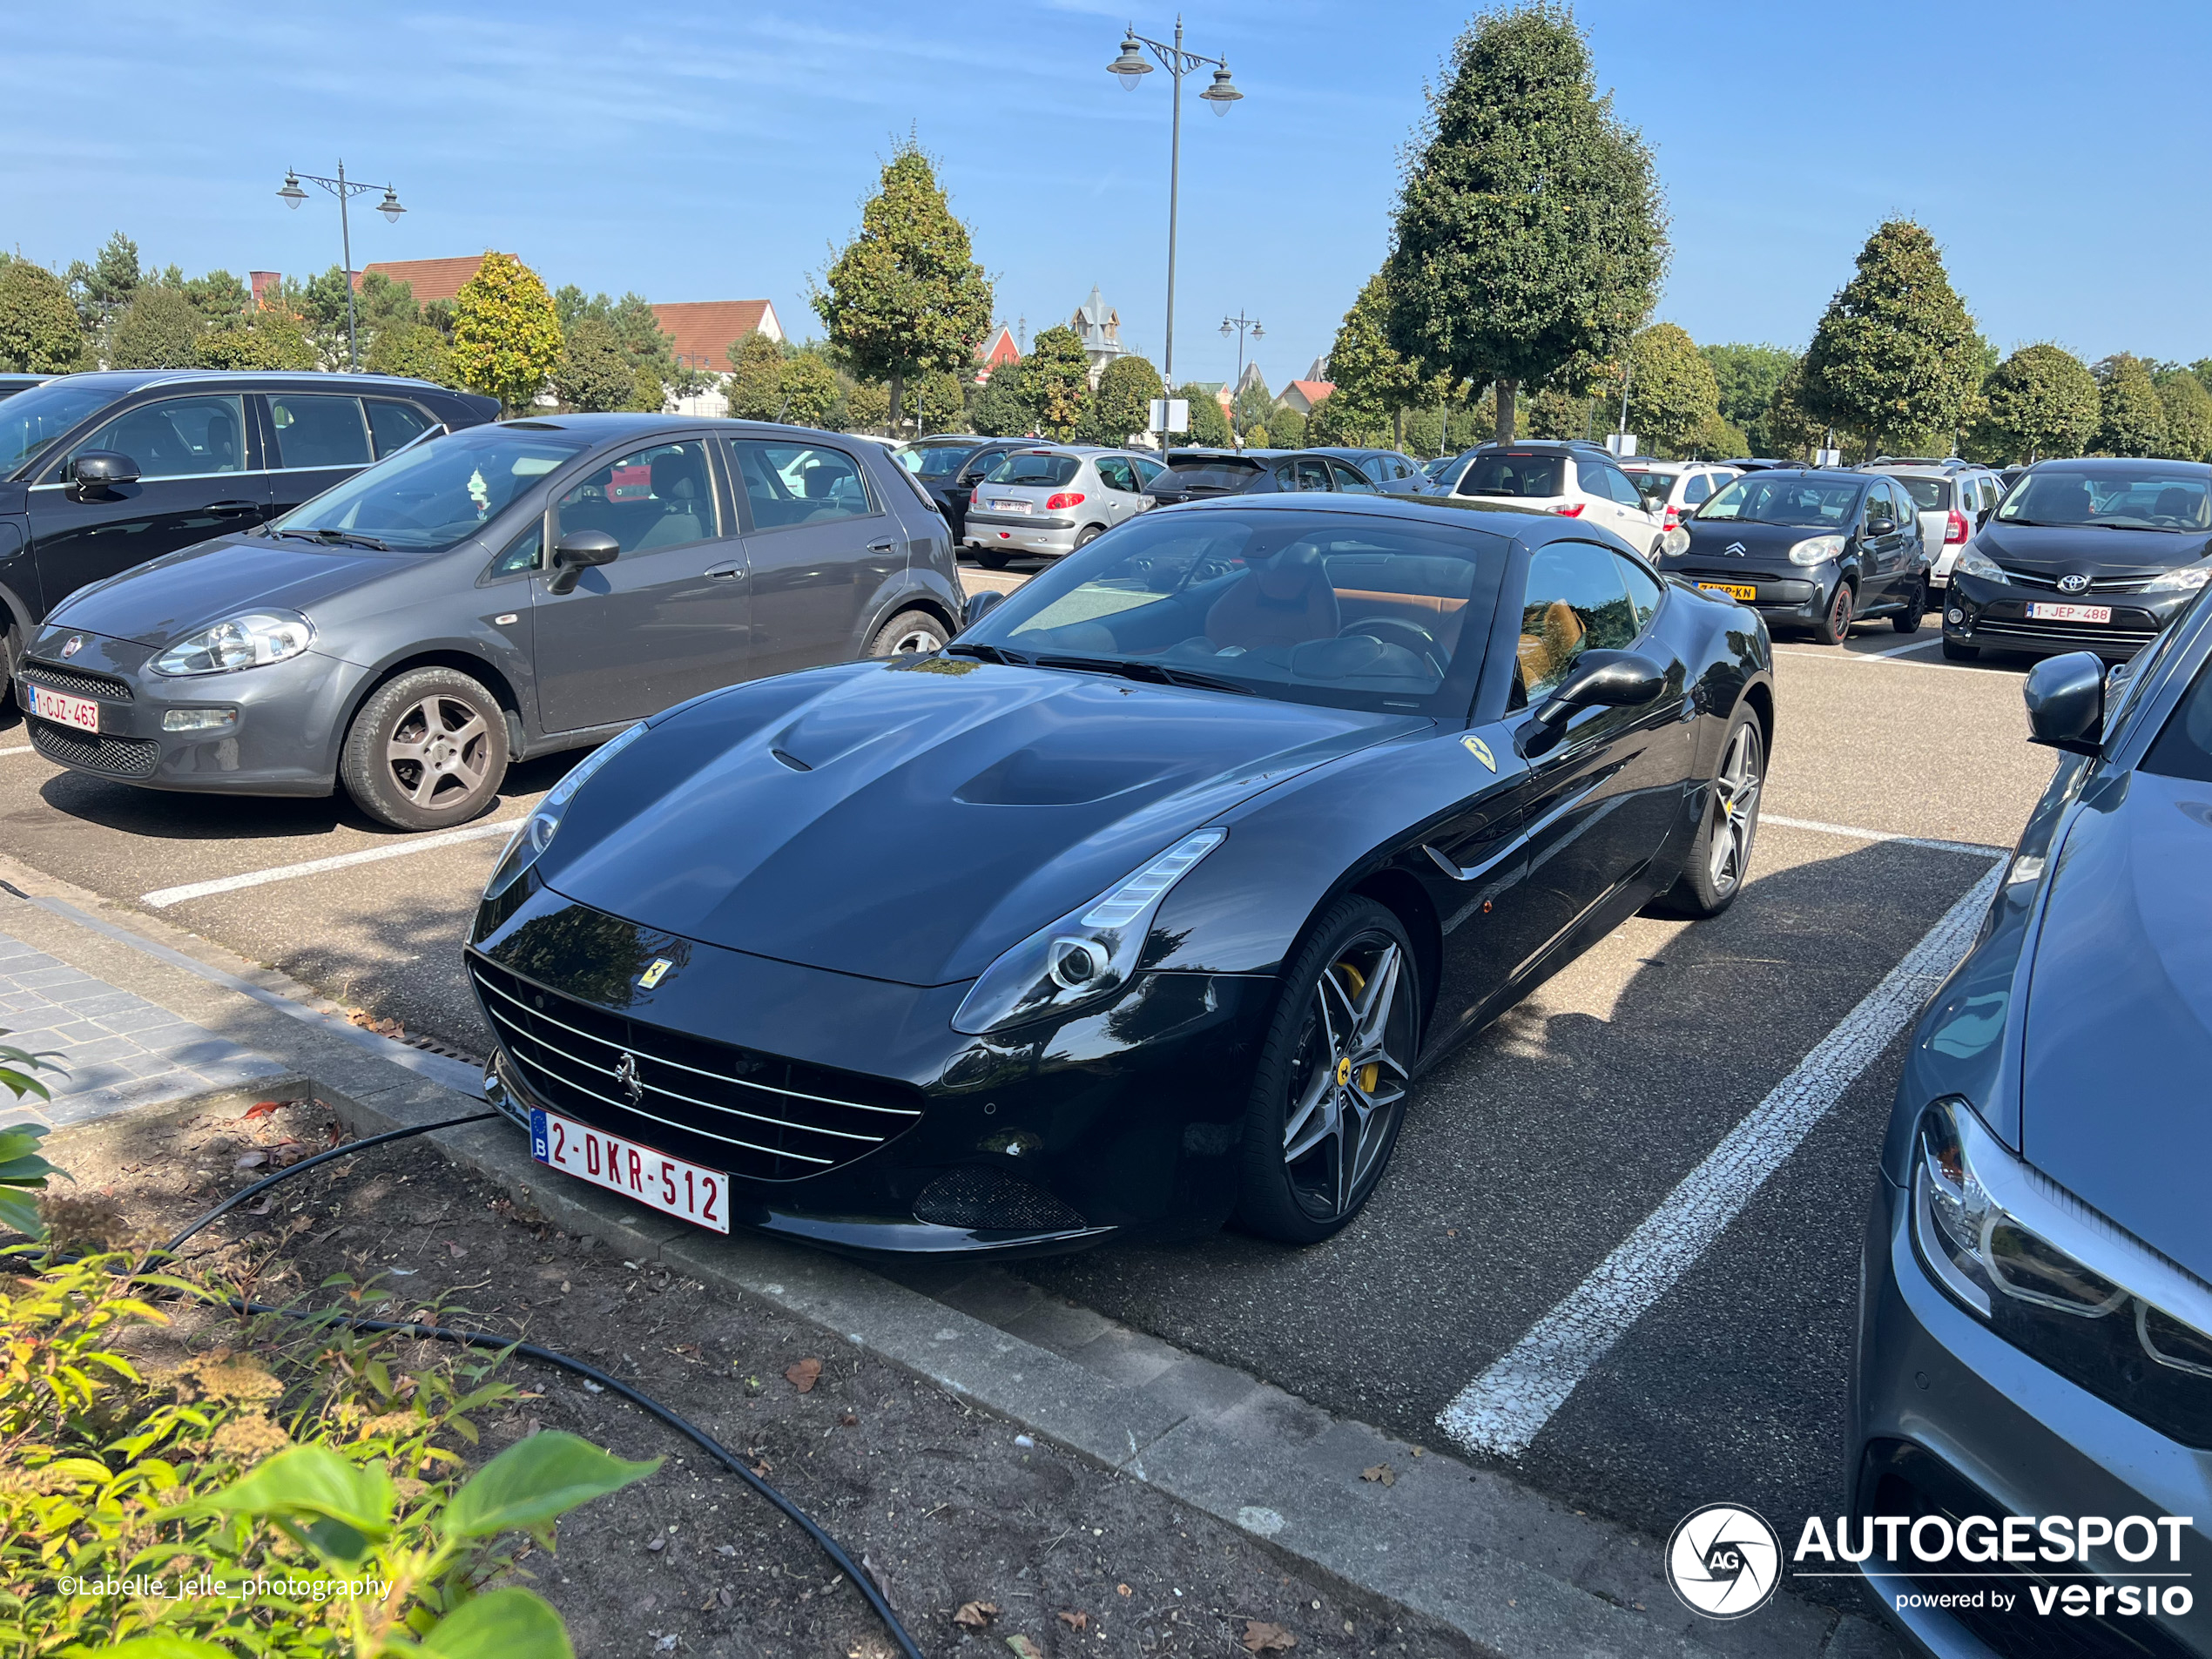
(1131, 68)
(1241, 325)
(345, 189)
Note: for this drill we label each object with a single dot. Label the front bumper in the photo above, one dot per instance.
(282, 740)
(1994, 616)
(1800, 598)
(848, 1112)
(1008, 532)
(1949, 1418)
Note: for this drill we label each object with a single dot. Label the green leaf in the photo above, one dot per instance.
(19, 1213)
(335, 1505)
(536, 1479)
(162, 1646)
(505, 1624)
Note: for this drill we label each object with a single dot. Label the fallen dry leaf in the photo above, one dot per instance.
(1261, 1637)
(1024, 1648)
(1382, 1472)
(1124, 1589)
(803, 1375)
(458, 1250)
(764, 1469)
(300, 1224)
(251, 1161)
(1419, 1450)
(264, 1207)
(656, 1544)
(973, 1615)
(848, 1421)
(1076, 1620)
(262, 1109)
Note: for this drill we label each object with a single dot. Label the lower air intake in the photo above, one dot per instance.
(984, 1200)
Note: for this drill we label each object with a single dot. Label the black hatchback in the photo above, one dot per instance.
(1819, 548)
(103, 471)
(950, 465)
(1203, 474)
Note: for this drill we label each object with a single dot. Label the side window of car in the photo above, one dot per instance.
(1577, 600)
(1312, 472)
(1624, 489)
(1117, 474)
(1350, 479)
(650, 500)
(1146, 470)
(319, 431)
(1643, 592)
(525, 551)
(785, 484)
(179, 437)
(1696, 488)
(394, 425)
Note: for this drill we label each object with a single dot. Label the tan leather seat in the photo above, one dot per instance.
(1286, 600)
(1544, 653)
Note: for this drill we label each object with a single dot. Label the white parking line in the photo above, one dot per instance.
(20, 749)
(1893, 656)
(1977, 848)
(1504, 1410)
(162, 898)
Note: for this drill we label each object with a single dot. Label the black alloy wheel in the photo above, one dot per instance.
(1908, 620)
(428, 751)
(1835, 627)
(1329, 1094)
(1720, 859)
(909, 633)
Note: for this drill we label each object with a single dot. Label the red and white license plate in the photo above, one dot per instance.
(79, 712)
(2069, 613)
(634, 1169)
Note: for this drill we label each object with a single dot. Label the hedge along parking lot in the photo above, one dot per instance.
(1538, 1164)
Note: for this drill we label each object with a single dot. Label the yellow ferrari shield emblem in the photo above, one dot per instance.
(653, 975)
(1480, 751)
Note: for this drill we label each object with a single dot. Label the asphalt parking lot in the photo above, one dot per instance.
(1531, 1159)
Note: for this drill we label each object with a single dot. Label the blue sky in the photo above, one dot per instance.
(697, 152)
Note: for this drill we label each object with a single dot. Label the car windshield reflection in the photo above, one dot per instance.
(2149, 499)
(1785, 498)
(435, 494)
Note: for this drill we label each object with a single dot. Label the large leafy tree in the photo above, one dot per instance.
(506, 337)
(867, 406)
(1376, 386)
(906, 296)
(107, 285)
(810, 389)
(1529, 231)
(273, 337)
(1123, 404)
(2188, 416)
(1787, 429)
(417, 350)
(1005, 406)
(1209, 426)
(157, 329)
(1058, 376)
(1671, 390)
(1745, 377)
(940, 402)
(755, 388)
(39, 332)
(2131, 418)
(2039, 402)
(595, 375)
(1287, 426)
(1896, 358)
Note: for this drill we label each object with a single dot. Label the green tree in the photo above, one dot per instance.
(418, 351)
(940, 402)
(595, 375)
(810, 389)
(1375, 384)
(506, 337)
(2188, 417)
(1287, 426)
(1529, 231)
(1672, 391)
(270, 338)
(1719, 439)
(1788, 430)
(1123, 404)
(905, 297)
(755, 388)
(1896, 358)
(1209, 426)
(2131, 420)
(219, 298)
(157, 329)
(1250, 407)
(867, 406)
(1058, 377)
(1746, 376)
(1005, 405)
(1556, 413)
(2039, 402)
(108, 284)
(39, 332)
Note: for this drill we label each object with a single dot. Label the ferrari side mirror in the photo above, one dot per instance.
(978, 606)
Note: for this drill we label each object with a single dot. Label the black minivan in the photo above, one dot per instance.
(101, 472)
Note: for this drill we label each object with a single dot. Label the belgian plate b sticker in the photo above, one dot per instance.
(1480, 751)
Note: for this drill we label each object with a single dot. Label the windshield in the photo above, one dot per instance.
(1786, 498)
(941, 461)
(1351, 612)
(435, 495)
(1209, 472)
(29, 420)
(1511, 474)
(1930, 494)
(1654, 487)
(1044, 471)
(2149, 497)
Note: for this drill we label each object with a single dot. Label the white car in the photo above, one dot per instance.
(1675, 489)
(1576, 479)
(1953, 499)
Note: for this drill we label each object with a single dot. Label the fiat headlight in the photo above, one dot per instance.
(1980, 566)
(253, 641)
(1084, 957)
(536, 834)
(2056, 1279)
(2188, 579)
(1816, 549)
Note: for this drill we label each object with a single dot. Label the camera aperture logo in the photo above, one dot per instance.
(1723, 1560)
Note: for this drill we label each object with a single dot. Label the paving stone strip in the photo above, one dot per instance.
(1516, 1572)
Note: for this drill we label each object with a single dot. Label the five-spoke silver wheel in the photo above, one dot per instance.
(1348, 1076)
(429, 750)
(440, 749)
(1736, 808)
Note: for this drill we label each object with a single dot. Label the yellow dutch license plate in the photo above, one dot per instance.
(1734, 589)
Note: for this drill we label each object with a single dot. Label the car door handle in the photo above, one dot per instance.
(734, 569)
(883, 546)
(233, 508)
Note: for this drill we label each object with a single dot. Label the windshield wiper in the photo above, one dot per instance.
(297, 536)
(1157, 673)
(351, 538)
(987, 654)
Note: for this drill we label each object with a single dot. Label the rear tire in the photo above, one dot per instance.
(428, 751)
(1088, 533)
(1955, 652)
(1835, 627)
(1720, 859)
(989, 561)
(1908, 620)
(909, 633)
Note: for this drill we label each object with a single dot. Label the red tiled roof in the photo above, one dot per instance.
(1312, 391)
(705, 329)
(428, 280)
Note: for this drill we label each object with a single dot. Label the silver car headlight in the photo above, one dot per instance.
(1979, 565)
(2187, 579)
(527, 844)
(1816, 549)
(253, 641)
(1084, 957)
(2055, 1279)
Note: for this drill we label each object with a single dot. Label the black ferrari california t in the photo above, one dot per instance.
(1143, 903)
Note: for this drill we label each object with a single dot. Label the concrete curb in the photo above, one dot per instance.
(1522, 1576)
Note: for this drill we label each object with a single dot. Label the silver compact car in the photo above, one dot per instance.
(1048, 500)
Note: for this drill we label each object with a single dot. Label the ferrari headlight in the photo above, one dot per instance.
(1980, 566)
(1816, 549)
(2056, 1279)
(1084, 957)
(2187, 579)
(243, 642)
(536, 834)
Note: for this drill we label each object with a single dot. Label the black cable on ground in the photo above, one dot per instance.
(645, 1402)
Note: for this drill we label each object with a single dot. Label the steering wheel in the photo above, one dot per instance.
(1391, 630)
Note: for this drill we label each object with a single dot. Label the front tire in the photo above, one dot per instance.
(1329, 1092)
(1835, 627)
(1719, 858)
(909, 633)
(1908, 620)
(428, 751)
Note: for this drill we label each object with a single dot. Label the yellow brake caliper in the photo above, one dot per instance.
(1370, 1074)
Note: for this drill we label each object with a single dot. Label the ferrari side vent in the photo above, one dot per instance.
(986, 1200)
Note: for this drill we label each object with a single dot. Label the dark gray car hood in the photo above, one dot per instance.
(176, 596)
(2116, 1101)
(2055, 549)
(1765, 546)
